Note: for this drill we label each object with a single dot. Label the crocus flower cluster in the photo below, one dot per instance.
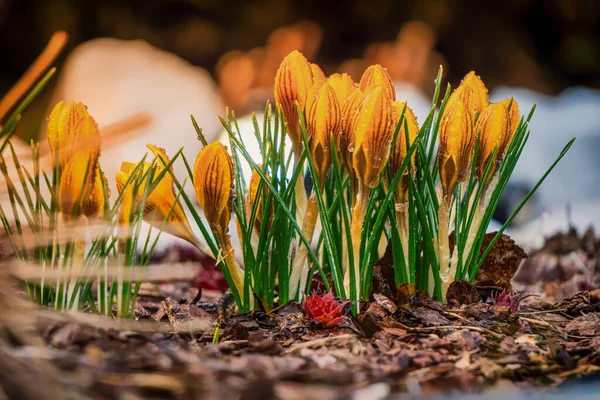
(468, 117)
(361, 119)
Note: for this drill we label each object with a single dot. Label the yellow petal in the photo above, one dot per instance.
(317, 73)
(346, 137)
(343, 85)
(62, 122)
(293, 80)
(163, 193)
(323, 117)
(253, 196)
(165, 201)
(376, 75)
(76, 181)
(213, 182)
(456, 145)
(493, 126)
(472, 92)
(71, 129)
(93, 204)
(372, 136)
(514, 116)
(398, 152)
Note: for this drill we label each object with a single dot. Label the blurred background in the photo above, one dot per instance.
(174, 58)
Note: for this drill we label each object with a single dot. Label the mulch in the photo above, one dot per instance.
(543, 336)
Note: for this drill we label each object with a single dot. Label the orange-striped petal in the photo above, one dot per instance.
(514, 117)
(493, 127)
(293, 80)
(376, 75)
(455, 145)
(213, 181)
(345, 145)
(323, 118)
(343, 85)
(372, 136)
(472, 92)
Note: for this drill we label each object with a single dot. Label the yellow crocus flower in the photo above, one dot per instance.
(398, 152)
(472, 92)
(493, 126)
(323, 118)
(456, 145)
(213, 182)
(376, 75)
(372, 136)
(293, 81)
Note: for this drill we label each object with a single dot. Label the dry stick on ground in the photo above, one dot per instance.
(40, 65)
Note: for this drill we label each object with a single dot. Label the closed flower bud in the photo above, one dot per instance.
(62, 122)
(293, 81)
(71, 129)
(74, 141)
(456, 145)
(317, 73)
(127, 190)
(400, 148)
(76, 183)
(372, 136)
(514, 117)
(252, 197)
(323, 117)
(213, 181)
(493, 127)
(398, 152)
(472, 92)
(345, 141)
(376, 75)
(93, 204)
(343, 85)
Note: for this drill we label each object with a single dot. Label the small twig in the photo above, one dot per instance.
(340, 340)
(42, 63)
(435, 328)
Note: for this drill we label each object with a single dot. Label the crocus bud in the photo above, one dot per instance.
(398, 152)
(76, 182)
(372, 136)
(213, 181)
(317, 73)
(74, 141)
(255, 197)
(514, 117)
(93, 204)
(345, 144)
(493, 127)
(456, 145)
(343, 85)
(71, 129)
(472, 92)
(376, 75)
(293, 81)
(400, 148)
(323, 117)
(64, 119)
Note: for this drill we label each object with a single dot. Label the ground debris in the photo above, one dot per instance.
(402, 344)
